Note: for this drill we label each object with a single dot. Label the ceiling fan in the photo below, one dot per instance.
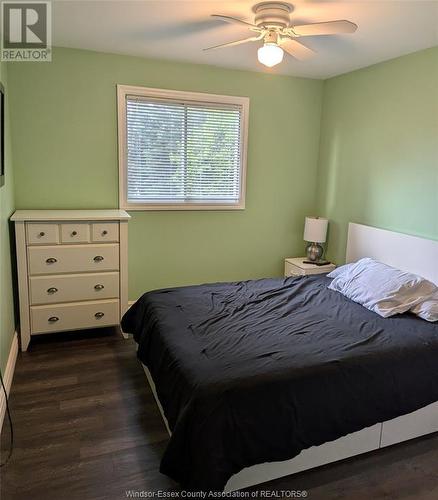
(273, 25)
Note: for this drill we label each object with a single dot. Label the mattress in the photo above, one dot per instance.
(257, 371)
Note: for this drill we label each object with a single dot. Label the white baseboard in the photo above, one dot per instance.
(8, 376)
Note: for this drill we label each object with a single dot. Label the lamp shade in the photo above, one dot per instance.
(315, 229)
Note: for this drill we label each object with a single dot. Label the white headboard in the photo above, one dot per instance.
(405, 252)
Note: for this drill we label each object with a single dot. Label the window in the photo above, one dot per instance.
(181, 150)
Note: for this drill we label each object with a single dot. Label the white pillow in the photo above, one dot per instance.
(381, 288)
(339, 271)
(428, 308)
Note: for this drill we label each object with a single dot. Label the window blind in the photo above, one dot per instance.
(183, 152)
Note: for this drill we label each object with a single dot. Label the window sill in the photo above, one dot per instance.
(180, 207)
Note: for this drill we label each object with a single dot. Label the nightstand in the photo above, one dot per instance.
(295, 267)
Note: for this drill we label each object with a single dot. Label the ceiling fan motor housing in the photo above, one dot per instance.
(272, 14)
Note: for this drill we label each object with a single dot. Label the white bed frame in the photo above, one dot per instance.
(409, 253)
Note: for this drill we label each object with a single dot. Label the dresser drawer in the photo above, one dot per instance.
(73, 259)
(42, 234)
(71, 287)
(74, 316)
(105, 231)
(75, 232)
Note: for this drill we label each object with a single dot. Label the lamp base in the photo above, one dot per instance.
(314, 252)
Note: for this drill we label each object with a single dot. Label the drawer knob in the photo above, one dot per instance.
(99, 287)
(104, 232)
(53, 319)
(42, 234)
(74, 233)
(51, 260)
(98, 258)
(52, 290)
(99, 315)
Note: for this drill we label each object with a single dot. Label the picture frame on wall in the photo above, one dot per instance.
(2, 135)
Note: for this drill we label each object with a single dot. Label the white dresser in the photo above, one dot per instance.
(72, 269)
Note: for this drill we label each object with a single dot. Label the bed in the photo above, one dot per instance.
(260, 379)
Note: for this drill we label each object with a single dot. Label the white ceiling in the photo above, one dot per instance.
(179, 29)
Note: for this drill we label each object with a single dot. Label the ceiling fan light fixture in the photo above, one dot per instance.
(273, 24)
(270, 54)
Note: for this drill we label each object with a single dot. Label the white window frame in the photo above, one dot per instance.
(177, 95)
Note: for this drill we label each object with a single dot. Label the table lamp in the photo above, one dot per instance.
(315, 232)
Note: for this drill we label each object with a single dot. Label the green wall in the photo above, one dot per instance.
(378, 160)
(65, 156)
(7, 323)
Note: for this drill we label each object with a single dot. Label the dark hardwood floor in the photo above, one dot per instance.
(86, 427)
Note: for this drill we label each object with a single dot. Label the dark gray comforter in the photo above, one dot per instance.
(257, 371)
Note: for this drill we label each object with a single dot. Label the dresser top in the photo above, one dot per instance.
(68, 215)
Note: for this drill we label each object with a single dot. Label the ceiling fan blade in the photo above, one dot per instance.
(237, 42)
(326, 28)
(296, 49)
(233, 20)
